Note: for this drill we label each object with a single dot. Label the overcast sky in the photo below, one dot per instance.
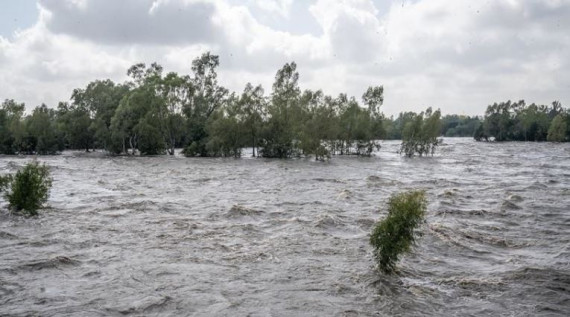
(456, 55)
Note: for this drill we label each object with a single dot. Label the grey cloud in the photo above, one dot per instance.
(523, 15)
(459, 58)
(498, 39)
(131, 22)
(354, 41)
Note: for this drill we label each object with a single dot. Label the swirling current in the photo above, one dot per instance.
(175, 236)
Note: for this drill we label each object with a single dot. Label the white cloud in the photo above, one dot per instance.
(456, 55)
(280, 7)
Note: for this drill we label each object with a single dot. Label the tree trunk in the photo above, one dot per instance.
(131, 144)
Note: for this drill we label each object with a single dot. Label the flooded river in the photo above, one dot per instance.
(174, 236)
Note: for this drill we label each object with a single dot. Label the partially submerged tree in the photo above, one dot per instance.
(207, 97)
(101, 99)
(396, 234)
(281, 130)
(43, 135)
(253, 106)
(420, 134)
(29, 189)
(558, 128)
(12, 129)
(74, 122)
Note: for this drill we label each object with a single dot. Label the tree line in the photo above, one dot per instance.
(451, 125)
(517, 121)
(155, 112)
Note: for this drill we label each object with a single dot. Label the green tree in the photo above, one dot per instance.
(137, 122)
(44, 136)
(29, 188)
(558, 128)
(6, 138)
(358, 128)
(226, 130)
(177, 92)
(499, 120)
(459, 125)
(253, 105)
(149, 139)
(515, 121)
(479, 134)
(208, 96)
(395, 128)
(374, 98)
(13, 134)
(532, 122)
(280, 133)
(75, 123)
(314, 129)
(420, 134)
(100, 98)
(134, 122)
(396, 234)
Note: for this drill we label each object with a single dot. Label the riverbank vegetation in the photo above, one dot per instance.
(517, 121)
(155, 112)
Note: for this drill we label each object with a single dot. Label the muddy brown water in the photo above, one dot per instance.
(172, 236)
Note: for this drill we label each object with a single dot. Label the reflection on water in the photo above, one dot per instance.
(177, 236)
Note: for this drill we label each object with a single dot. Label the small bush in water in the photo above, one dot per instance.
(396, 234)
(29, 189)
(5, 181)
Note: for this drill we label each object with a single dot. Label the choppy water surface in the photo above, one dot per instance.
(205, 237)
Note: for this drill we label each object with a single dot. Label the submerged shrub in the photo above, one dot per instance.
(29, 188)
(396, 234)
(5, 181)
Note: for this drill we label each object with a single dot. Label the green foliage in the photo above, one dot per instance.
(479, 134)
(100, 98)
(558, 128)
(74, 122)
(253, 105)
(12, 129)
(149, 138)
(516, 121)
(360, 128)
(396, 234)
(374, 98)
(154, 113)
(44, 137)
(29, 188)
(281, 132)
(206, 97)
(316, 130)
(420, 133)
(395, 127)
(226, 130)
(459, 126)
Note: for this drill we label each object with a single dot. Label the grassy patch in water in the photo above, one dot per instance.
(396, 234)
